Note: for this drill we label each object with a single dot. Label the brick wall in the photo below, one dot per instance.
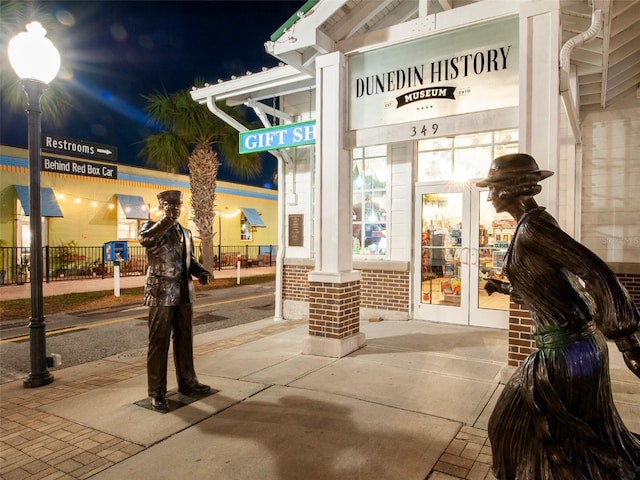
(631, 281)
(385, 290)
(295, 282)
(334, 309)
(380, 289)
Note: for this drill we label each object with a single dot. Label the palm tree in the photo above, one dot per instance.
(15, 16)
(188, 133)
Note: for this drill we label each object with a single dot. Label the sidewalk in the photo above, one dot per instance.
(412, 404)
(12, 292)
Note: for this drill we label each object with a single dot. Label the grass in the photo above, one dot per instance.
(20, 309)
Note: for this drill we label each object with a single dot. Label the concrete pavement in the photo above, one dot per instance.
(413, 403)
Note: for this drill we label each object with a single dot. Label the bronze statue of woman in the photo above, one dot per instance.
(555, 418)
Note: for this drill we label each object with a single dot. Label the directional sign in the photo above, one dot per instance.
(79, 167)
(79, 148)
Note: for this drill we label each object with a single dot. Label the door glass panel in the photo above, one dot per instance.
(496, 231)
(441, 248)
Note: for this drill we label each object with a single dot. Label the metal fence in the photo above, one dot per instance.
(73, 263)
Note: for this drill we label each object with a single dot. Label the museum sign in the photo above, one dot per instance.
(450, 73)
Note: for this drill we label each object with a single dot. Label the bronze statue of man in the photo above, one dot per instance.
(169, 293)
(555, 418)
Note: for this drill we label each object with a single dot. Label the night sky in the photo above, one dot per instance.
(117, 51)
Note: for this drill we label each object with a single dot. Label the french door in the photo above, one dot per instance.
(460, 242)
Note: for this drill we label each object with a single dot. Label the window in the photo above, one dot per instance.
(370, 178)
(245, 229)
(127, 227)
(131, 210)
(463, 157)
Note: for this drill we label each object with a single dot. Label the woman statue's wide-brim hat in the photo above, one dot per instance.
(508, 167)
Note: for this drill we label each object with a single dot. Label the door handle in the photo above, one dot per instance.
(464, 256)
(474, 257)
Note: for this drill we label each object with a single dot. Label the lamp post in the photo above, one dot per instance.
(36, 61)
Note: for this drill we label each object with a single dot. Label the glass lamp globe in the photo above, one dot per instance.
(33, 56)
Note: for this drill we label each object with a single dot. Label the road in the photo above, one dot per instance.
(83, 337)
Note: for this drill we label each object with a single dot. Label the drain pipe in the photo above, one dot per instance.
(283, 160)
(565, 54)
(213, 108)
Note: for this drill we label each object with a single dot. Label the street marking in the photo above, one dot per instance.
(121, 320)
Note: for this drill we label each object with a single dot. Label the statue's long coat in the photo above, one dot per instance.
(556, 418)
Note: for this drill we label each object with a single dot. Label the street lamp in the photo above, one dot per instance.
(37, 62)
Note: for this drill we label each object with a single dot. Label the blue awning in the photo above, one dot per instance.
(133, 206)
(50, 207)
(253, 217)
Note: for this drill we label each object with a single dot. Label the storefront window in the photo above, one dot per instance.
(370, 178)
(463, 157)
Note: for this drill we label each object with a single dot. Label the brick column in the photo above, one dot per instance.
(521, 341)
(334, 310)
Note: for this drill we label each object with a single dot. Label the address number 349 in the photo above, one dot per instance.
(424, 130)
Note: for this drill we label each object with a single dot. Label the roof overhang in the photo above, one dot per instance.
(303, 40)
(268, 83)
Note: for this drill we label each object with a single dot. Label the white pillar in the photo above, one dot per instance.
(334, 287)
(540, 42)
(333, 205)
(539, 111)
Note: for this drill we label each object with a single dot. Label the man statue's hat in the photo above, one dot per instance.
(170, 196)
(507, 167)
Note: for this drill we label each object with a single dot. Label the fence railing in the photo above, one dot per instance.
(73, 263)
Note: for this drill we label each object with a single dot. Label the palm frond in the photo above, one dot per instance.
(165, 151)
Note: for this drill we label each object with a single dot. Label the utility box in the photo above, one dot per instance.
(116, 251)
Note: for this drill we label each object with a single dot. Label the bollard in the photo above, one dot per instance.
(238, 262)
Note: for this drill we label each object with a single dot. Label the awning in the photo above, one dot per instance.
(50, 207)
(133, 206)
(253, 217)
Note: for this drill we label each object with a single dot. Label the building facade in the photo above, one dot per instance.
(88, 203)
(411, 101)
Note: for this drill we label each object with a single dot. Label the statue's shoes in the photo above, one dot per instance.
(159, 402)
(196, 388)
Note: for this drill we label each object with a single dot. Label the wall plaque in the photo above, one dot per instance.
(296, 230)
